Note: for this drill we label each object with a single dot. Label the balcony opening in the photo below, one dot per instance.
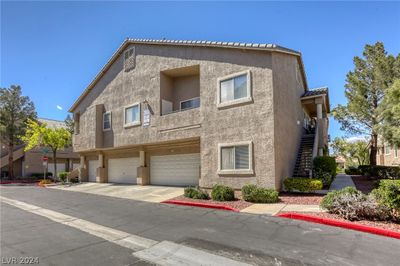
(180, 89)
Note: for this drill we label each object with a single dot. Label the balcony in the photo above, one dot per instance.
(179, 89)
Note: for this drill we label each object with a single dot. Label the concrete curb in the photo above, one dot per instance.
(342, 224)
(201, 205)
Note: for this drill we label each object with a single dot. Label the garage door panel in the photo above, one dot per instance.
(93, 165)
(175, 170)
(123, 170)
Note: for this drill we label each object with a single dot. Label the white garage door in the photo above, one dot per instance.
(123, 170)
(60, 168)
(93, 165)
(175, 170)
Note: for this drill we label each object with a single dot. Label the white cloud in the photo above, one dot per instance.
(356, 138)
(59, 107)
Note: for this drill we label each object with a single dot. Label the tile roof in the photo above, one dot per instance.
(315, 92)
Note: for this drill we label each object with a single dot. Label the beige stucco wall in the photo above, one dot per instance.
(388, 159)
(288, 114)
(248, 122)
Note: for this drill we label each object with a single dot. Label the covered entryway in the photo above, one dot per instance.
(175, 170)
(123, 170)
(92, 166)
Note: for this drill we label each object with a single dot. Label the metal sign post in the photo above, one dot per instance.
(45, 160)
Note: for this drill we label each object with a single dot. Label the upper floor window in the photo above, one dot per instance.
(234, 89)
(189, 104)
(387, 149)
(235, 158)
(132, 115)
(106, 121)
(129, 59)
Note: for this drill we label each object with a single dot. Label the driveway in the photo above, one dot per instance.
(62, 227)
(125, 191)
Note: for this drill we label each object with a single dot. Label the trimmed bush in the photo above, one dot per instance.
(325, 164)
(302, 184)
(255, 194)
(388, 194)
(352, 171)
(195, 193)
(352, 204)
(222, 193)
(63, 176)
(325, 177)
(380, 171)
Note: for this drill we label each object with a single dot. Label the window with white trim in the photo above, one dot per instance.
(106, 121)
(387, 149)
(132, 115)
(189, 104)
(235, 158)
(235, 88)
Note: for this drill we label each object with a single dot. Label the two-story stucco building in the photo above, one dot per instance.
(199, 113)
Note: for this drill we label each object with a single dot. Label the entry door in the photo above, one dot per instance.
(175, 170)
(93, 165)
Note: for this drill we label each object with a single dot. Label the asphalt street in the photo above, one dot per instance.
(179, 231)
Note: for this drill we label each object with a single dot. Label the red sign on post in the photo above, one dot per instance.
(45, 158)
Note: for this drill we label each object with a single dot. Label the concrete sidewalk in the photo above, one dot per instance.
(274, 208)
(341, 181)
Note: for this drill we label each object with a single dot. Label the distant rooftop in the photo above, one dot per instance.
(53, 123)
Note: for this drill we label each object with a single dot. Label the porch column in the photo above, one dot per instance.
(143, 177)
(319, 103)
(101, 171)
(83, 171)
(319, 110)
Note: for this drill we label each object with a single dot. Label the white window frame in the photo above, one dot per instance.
(180, 103)
(386, 150)
(249, 171)
(237, 101)
(135, 123)
(104, 114)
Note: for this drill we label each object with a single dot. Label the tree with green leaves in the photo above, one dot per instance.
(39, 135)
(69, 122)
(351, 150)
(390, 115)
(15, 110)
(365, 87)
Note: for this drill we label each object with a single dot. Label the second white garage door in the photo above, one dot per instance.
(123, 170)
(93, 165)
(175, 170)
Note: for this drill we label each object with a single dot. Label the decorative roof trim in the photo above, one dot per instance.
(214, 44)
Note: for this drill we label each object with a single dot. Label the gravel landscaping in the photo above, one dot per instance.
(237, 204)
(363, 183)
(300, 198)
(380, 224)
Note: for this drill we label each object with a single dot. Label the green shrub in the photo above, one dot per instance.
(222, 193)
(325, 177)
(195, 193)
(352, 204)
(302, 184)
(352, 171)
(388, 194)
(41, 175)
(380, 171)
(255, 194)
(325, 164)
(63, 176)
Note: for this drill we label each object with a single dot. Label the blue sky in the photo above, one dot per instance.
(54, 49)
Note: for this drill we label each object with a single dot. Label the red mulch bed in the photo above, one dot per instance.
(300, 198)
(363, 183)
(380, 224)
(236, 204)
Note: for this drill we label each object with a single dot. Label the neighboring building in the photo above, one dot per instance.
(340, 162)
(387, 155)
(30, 162)
(199, 113)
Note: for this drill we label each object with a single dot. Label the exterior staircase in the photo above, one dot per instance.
(303, 166)
(18, 153)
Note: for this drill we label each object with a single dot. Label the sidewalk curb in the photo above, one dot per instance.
(342, 224)
(201, 205)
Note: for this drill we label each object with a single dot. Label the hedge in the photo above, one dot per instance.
(380, 171)
(222, 193)
(388, 194)
(255, 194)
(325, 164)
(302, 184)
(195, 193)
